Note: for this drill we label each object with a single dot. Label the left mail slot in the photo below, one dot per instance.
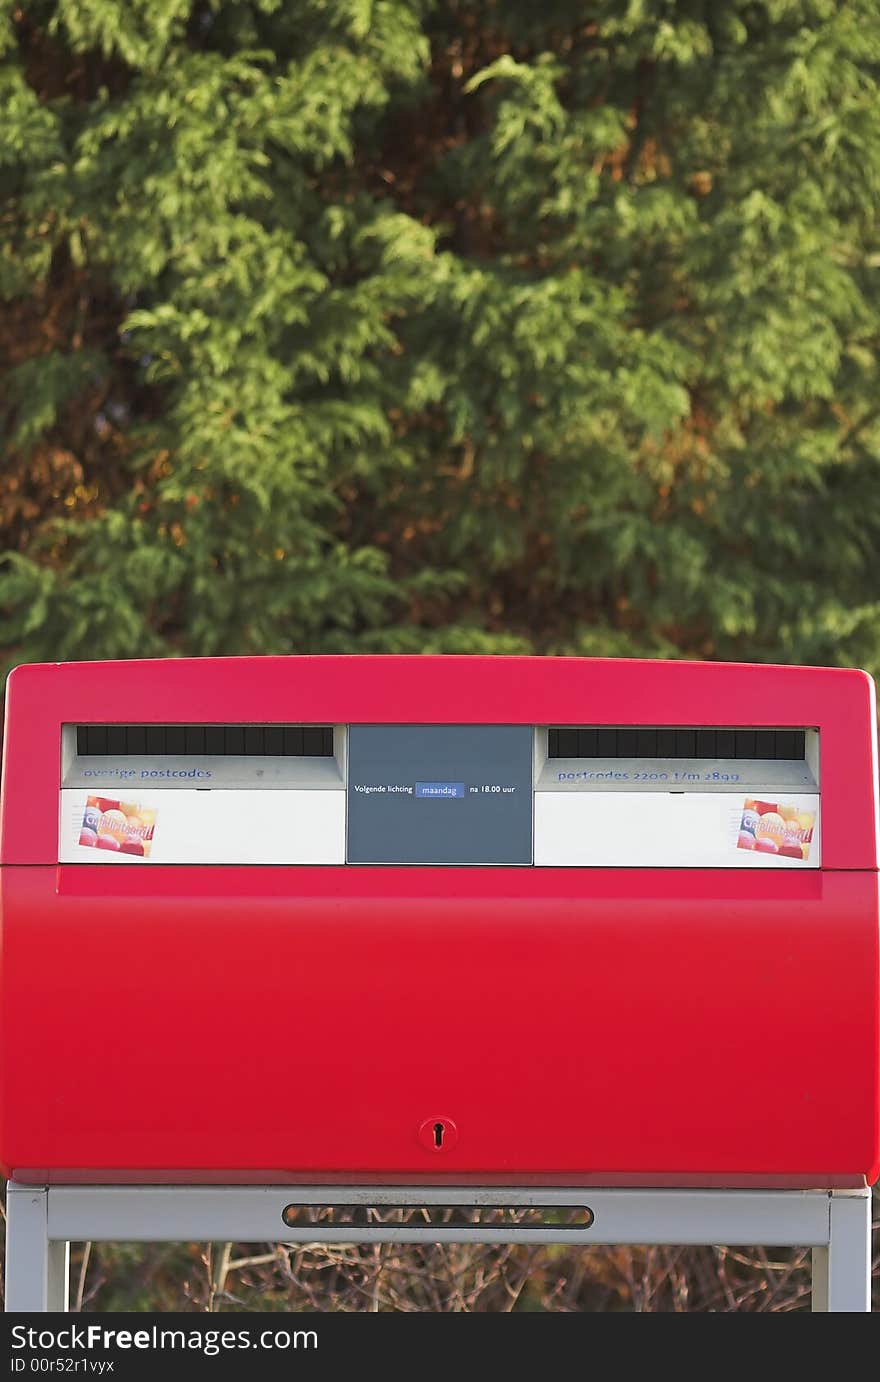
(202, 794)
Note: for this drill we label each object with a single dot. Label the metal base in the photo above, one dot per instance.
(43, 1220)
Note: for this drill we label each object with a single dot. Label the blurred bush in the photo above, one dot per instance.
(440, 325)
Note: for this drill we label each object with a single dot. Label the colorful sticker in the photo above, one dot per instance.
(124, 827)
(775, 827)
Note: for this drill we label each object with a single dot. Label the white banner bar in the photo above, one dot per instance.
(202, 827)
(676, 830)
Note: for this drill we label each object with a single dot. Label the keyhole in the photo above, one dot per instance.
(438, 1134)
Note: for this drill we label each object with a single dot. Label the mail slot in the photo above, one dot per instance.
(440, 919)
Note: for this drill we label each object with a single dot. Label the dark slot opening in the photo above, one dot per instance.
(137, 739)
(194, 738)
(587, 742)
(725, 743)
(606, 743)
(649, 741)
(567, 745)
(685, 743)
(156, 741)
(175, 739)
(117, 739)
(234, 740)
(273, 741)
(254, 740)
(293, 739)
(317, 743)
(706, 743)
(765, 743)
(666, 743)
(646, 743)
(215, 740)
(790, 743)
(627, 743)
(96, 739)
(745, 743)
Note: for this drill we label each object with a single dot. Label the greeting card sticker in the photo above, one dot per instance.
(124, 827)
(772, 827)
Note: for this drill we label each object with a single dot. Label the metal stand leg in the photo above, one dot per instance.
(58, 1277)
(36, 1269)
(842, 1271)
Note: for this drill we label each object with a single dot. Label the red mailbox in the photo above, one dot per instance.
(427, 919)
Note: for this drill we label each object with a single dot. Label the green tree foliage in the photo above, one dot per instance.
(444, 325)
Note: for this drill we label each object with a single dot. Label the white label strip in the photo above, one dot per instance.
(677, 830)
(193, 827)
(675, 775)
(134, 775)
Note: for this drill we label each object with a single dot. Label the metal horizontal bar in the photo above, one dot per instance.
(254, 1214)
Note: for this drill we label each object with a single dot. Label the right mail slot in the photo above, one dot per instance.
(677, 796)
